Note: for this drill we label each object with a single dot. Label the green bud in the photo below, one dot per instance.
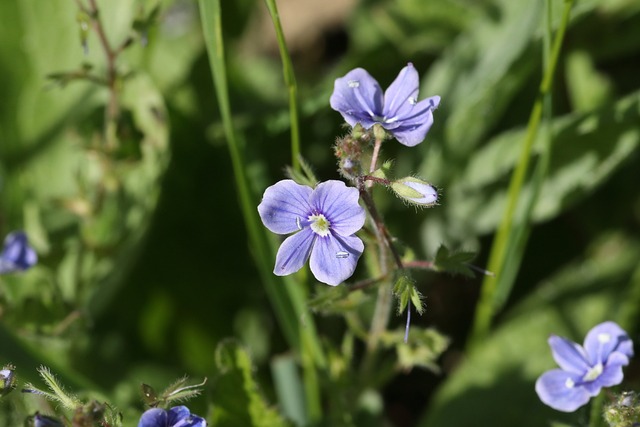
(415, 191)
(379, 133)
(358, 131)
(385, 171)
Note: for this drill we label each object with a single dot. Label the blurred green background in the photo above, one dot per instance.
(144, 262)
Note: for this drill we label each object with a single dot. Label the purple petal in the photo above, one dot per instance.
(358, 97)
(191, 421)
(605, 338)
(415, 124)
(339, 204)
(177, 413)
(569, 355)
(612, 372)
(402, 95)
(294, 252)
(284, 205)
(555, 389)
(334, 258)
(154, 417)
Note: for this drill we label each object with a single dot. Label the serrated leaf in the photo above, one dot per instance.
(237, 398)
(454, 262)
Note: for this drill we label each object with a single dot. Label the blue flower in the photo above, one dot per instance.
(16, 254)
(584, 369)
(325, 219)
(358, 97)
(178, 416)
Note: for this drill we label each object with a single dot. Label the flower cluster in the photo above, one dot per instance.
(584, 370)
(324, 219)
(16, 254)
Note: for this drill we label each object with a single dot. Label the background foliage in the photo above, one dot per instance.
(145, 267)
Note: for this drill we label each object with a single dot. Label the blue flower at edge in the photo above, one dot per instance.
(584, 369)
(16, 254)
(359, 98)
(178, 416)
(324, 221)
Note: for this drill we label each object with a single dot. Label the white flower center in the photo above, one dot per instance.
(593, 373)
(569, 383)
(319, 224)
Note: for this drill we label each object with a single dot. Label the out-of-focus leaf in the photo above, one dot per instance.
(424, 347)
(586, 150)
(483, 69)
(588, 89)
(236, 398)
(484, 388)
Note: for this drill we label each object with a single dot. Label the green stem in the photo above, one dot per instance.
(290, 81)
(595, 414)
(487, 305)
(289, 301)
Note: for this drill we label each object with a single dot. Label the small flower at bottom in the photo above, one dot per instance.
(358, 98)
(16, 254)
(584, 369)
(178, 416)
(326, 219)
(43, 421)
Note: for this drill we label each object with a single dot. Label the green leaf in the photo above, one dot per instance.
(454, 262)
(237, 399)
(586, 150)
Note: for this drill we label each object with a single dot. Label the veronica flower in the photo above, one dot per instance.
(16, 254)
(324, 220)
(358, 97)
(584, 369)
(178, 416)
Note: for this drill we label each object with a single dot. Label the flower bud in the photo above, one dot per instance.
(415, 191)
(7, 380)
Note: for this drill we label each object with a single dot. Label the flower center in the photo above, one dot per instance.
(319, 224)
(593, 373)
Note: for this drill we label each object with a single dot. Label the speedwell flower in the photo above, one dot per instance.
(16, 254)
(325, 219)
(358, 97)
(584, 369)
(178, 416)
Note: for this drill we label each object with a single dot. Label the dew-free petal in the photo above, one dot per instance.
(154, 417)
(402, 94)
(284, 205)
(334, 258)
(339, 204)
(358, 98)
(178, 413)
(605, 338)
(294, 252)
(568, 355)
(554, 389)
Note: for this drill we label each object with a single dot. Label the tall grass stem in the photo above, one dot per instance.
(511, 234)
